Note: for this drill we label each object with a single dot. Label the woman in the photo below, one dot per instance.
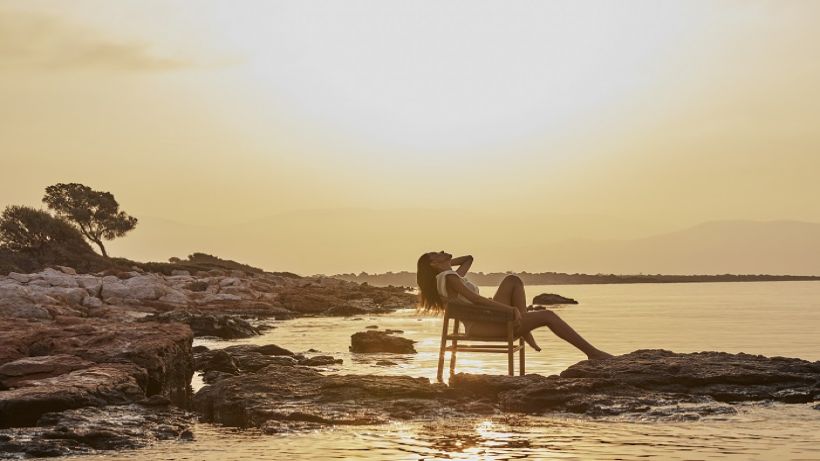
(439, 283)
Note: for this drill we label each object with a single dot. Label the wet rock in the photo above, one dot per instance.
(386, 363)
(212, 376)
(390, 331)
(289, 397)
(243, 358)
(162, 351)
(222, 326)
(552, 298)
(320, 360)
(345, 310)
(379, 341)
(645, 380)
(94, 386)
(92, 429)
(217, 360)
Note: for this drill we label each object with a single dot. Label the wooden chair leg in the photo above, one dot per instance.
(510, 352)
(456, 325)
(521, 359)
(446, 325)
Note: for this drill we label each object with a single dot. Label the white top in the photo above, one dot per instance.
(441, 284)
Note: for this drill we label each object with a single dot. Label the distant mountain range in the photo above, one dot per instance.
(353, 240)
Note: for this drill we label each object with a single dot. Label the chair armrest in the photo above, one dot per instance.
(477, 312)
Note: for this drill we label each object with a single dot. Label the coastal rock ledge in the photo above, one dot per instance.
(645, 383)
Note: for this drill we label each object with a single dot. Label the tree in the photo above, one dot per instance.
(24, 228)
(96, 213)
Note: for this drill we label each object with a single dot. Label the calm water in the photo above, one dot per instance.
(770, 318)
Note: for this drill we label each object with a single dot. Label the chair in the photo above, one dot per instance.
(459, 312)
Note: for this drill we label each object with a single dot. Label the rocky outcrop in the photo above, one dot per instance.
(222, 326)
(89, 429)
(61, 291)
(548, 299)
(652, 382)
(380, 341)
(283, 398)
(648, 384)
(50, 366)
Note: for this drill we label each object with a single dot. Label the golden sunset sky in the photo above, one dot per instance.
(347, 136)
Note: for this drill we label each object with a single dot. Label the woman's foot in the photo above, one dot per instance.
(598, 355)
(531, 341)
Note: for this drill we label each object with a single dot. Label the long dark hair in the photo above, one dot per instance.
(429, 299)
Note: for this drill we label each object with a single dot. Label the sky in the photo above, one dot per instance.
(477, 125)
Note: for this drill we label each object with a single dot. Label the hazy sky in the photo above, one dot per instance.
(211, 113)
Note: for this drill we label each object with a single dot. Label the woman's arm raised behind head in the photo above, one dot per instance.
(464, 263)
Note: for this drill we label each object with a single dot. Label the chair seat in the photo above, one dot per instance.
(466, 337)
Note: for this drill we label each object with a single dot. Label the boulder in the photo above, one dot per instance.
(551, 299)
(379, 341)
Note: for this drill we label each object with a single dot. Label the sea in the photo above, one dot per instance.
(768, 318)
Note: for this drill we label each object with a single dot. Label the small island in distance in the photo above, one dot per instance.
(405, 278)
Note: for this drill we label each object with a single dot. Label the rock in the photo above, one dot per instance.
(222, 326)
(18, 301)
(212, 376)
(84, 430)
(379, 341)
(320, 360)
(551, 298)
(288, 397)
(244, 358)
(19, 372)
(94, 386)
(390, 332)
(372, 327)
(200, 348)
(162, 351)
(386, 363)
(66, 270)
(218, 360)
(93, 302)
(345, 310)
(651, 382)
(178, 272)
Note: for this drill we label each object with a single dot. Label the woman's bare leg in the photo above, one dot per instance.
(533, 320)
(511, 292)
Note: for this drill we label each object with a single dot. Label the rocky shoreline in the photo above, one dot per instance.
(103, 361)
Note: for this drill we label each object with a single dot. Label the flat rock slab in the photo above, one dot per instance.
(281, 397)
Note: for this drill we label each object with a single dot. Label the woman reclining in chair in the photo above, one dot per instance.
(438, 283)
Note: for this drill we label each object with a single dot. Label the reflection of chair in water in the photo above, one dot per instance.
(459, 312)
